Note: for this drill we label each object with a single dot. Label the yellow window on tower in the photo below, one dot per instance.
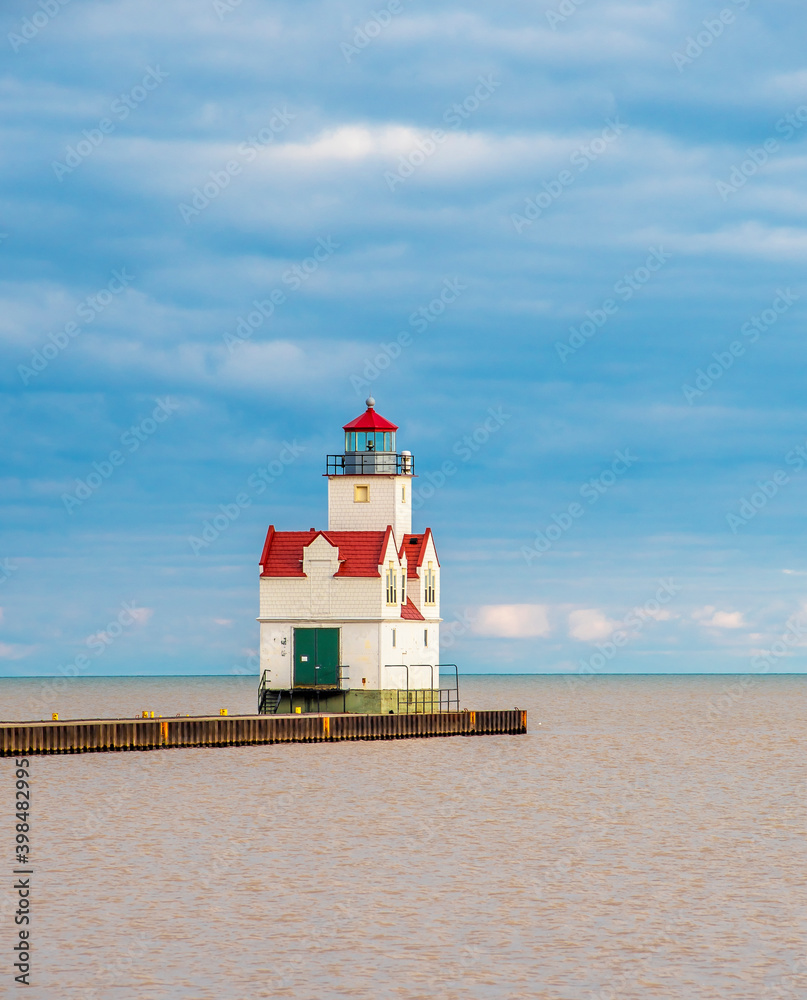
(428, 585)
(403, 494)
(361, 494)
(392, 584)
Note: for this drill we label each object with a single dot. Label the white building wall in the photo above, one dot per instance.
(276, 653)
(410, 648)
(290, 598)
(390, 503)
(360, 653)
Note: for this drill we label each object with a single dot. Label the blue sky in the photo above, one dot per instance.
(583, 224)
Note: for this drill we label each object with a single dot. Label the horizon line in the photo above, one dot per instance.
(570, 673)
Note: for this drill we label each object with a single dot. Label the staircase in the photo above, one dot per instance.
(268, 698)
(271, 699)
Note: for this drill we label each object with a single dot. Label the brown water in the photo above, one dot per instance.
(634, 845)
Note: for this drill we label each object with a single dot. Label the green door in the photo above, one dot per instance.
(316, 647)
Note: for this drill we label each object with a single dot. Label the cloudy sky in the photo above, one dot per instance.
(563, 245)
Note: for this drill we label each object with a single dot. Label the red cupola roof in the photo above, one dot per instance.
(370, 420)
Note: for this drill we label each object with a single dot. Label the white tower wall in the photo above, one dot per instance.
(389, 501)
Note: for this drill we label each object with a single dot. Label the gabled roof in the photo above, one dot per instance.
(410, 612)
(415, 548)
(360, 552)
(370, 421)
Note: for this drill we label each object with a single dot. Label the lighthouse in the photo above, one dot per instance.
(350, 615)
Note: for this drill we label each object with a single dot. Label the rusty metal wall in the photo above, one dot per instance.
(17, 739)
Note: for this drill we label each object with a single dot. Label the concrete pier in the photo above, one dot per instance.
(97, 735)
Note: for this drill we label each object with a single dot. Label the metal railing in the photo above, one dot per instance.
(268, 698)
(428, 700)
(362, 463)
(449, 695)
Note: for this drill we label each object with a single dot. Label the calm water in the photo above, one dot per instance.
(636, 844)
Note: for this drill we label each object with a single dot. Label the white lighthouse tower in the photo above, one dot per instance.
(350, 616)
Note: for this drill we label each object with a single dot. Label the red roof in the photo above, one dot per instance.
(370, 421)
(415, 547)
(410, 612)
(360, 552)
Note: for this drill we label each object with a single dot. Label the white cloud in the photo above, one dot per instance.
(658, 615)
(711, 618)
(13, 651)
(590, 624)
(353, 142)
(512, 621)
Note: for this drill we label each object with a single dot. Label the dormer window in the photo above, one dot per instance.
(392, 584)
(403, 585)
(429, 585)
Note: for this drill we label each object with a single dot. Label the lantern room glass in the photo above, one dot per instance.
(369, 441)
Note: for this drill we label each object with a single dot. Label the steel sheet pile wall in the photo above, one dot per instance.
(89, 736)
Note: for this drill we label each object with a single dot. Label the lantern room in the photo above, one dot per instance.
(370, 432)
(370, 448)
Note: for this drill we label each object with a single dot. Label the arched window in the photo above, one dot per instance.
(429, 585)
(392, 584)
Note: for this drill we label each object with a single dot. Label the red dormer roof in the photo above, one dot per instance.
(415, 547)
(370, 421)
(410, 612)
(360, 552)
